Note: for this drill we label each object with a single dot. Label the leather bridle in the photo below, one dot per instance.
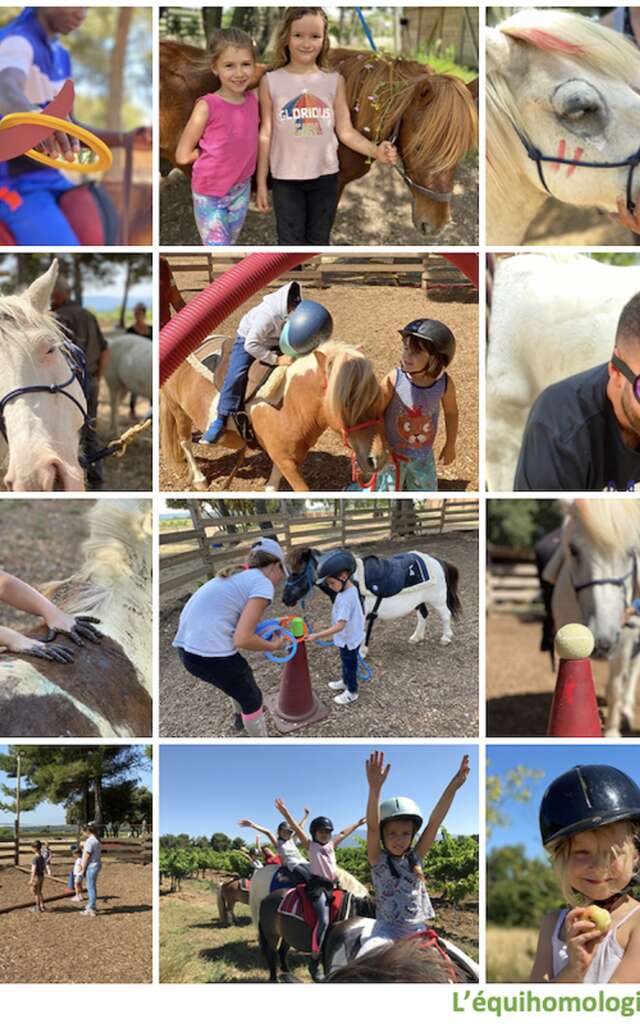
(437, 197)
(51, 389)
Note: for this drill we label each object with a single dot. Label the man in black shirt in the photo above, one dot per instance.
(583, 433)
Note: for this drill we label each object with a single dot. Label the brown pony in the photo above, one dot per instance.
(334, 387)
(230, 893)
(434, 115)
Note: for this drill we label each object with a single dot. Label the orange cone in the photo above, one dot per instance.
(574, 711)
(296, 705)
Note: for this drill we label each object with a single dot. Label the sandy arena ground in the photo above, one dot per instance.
(370, 316)
(422, 690)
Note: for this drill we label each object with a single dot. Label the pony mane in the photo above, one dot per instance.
(612, 524)
(552, 31)
(380, 91)
(353, 392)
(20, 319)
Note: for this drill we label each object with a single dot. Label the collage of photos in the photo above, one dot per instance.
(296, 685)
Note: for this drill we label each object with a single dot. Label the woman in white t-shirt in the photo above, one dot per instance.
(221, 617)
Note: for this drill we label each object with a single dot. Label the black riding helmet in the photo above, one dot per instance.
(319, 823)
(334, 563)
(587, 797)
(441, 340)
(287, 826)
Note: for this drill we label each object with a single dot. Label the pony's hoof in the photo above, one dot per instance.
(444, 640)
(200, 485)
(415, 639)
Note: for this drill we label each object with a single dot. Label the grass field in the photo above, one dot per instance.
(510, 953)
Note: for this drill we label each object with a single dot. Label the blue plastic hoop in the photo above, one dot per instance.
(270, 628)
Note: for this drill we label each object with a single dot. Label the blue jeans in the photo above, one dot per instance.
(91, 876)
(349, 661)
(38, 220)
(235, 382)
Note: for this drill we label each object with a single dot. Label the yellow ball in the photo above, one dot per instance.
(574, 641)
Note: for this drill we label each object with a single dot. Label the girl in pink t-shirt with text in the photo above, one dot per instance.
(303, 115)
(221, 141)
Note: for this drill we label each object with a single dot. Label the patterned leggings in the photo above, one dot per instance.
(219, 219)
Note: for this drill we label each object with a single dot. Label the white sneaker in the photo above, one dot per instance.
(77, 899)
(346, 697)
(88, 913)
(337, 684)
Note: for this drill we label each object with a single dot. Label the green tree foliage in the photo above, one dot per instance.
(520, 891)
(451, 866)
(519, 524)
(500, 790)
(220, 842)
(177, 864)
(616, 259)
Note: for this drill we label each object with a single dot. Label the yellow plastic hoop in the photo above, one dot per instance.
(104, 154)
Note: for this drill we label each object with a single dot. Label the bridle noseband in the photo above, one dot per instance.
(437, 197)
(52, 389)
(617, 581)
(538, 157)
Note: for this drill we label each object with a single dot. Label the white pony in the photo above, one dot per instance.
(40, 430)
(261, 884)
(566, 89)
(129, 368)
(596, 579)
(107, 689)
(551, 316)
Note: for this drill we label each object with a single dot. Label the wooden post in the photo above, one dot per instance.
(16, 855)
(343, 523)
(201, 538)
(443, 514)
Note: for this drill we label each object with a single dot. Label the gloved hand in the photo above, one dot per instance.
(82, 629)
(51, 652)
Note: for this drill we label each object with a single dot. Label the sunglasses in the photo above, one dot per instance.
(627, 372)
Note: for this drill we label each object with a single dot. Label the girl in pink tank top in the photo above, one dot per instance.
(221, 141)
(304, 113)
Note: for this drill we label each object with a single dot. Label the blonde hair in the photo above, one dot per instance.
(281, 52)
(560, 851)
(227, 37)
(257, 559)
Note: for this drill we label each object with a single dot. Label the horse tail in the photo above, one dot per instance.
(222, 905)
(169, 434)
(451, 575)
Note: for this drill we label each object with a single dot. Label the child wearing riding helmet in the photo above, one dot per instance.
(321, 845)
(303, 115)
(403, 907)
(347, 617)
(281, 327)
(289, 855)
(590, 826)
(412, 396)
(22, 597)
(221, 617)
(220, 140)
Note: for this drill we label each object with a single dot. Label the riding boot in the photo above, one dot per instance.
(256, 724)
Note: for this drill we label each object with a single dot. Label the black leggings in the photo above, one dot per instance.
(305, 209)
(232, 675)
(320, 893)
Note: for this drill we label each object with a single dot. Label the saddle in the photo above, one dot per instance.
(211, 360)
(296, 903)
(245, 884)
(386, 577)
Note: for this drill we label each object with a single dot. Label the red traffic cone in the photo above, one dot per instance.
(574, 711)
(296, 704)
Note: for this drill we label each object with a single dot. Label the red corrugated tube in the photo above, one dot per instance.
(202, 314)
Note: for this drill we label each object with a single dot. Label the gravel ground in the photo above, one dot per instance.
(363, 216)
(426, 690)
(561, 224)
(60, 946)
(520, 682)
(370, 316)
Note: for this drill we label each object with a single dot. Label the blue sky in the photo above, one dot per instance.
(46, 813)
(206, 789)
(553, 760)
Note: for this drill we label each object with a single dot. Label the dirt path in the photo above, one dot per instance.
(370, 316)
(520, 682)
(376, 210)
(561, 224)
(422, 690)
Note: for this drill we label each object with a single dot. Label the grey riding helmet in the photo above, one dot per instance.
(585, 798)
(306, 327)
(399, 807)
(441, 340)
(334, 563)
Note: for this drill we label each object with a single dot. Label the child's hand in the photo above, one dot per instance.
(245, 823)
(463, 772)
(386, 153)
(285, 361)
(448, 453)
(278, 642)
(280, 805)
(310, 637)
(262, 199)
(19, 644)
(582, 938)
(78, 628)
(629, 220)
(376, 770)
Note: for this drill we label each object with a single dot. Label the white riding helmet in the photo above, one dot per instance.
(272, 548)
(400, 807)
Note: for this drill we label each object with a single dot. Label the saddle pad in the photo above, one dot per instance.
(296, 903)
(245, 884)
(386, 577)
(281, 880)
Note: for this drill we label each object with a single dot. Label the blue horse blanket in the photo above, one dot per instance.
(386, 577)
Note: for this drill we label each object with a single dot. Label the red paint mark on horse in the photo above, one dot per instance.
(576, 156)
(562, 146)
(547, 41)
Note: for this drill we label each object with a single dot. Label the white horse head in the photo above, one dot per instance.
(42, 428)
(568, 87)
(601, 542)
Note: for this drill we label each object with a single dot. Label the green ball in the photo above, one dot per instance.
(574, 641)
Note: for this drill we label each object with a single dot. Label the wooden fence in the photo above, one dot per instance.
(137, 851)
(513, 587)
(192, 555)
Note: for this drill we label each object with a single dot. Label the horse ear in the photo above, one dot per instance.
(498, 49)
(39, 292)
